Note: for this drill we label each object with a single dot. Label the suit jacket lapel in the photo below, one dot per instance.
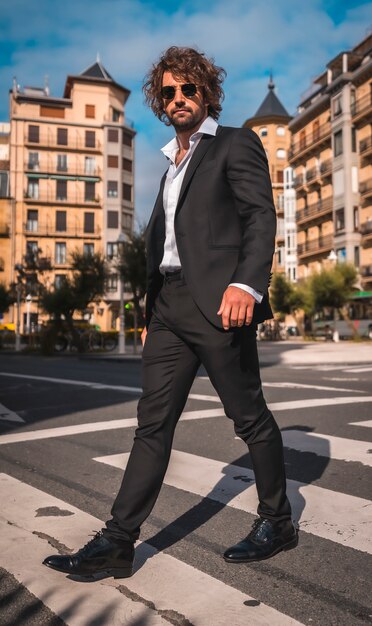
(158, 206)
(205, 142)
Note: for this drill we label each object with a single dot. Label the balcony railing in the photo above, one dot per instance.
(50, 230)
(73, 143)
(53, 198)
(366, 271)
(70, 170)
(365, 145)
(313, 211)
(325, 168)
(315, 246)
(362, 106)
(366, 228)
(310, 141)
(365, 188)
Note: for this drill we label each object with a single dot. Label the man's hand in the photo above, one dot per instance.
(143, 336)
(236, 307)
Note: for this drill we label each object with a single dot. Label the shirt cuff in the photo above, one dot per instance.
(256, 294)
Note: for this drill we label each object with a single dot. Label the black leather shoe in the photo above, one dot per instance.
(264, 541)
(98, 556)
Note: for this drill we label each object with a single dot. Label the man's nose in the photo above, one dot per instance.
(179, 98)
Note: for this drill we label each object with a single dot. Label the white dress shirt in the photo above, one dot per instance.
(172, 187)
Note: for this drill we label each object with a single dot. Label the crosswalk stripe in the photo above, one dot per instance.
(80, 383)
(366, 424)
(304, 386)
(173, 587)
(357, 370)
(9, 416)
(338, 448)
(335, 516)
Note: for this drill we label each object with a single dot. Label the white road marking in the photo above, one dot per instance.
(303, 386)
(325, 513)
(328, 446)
(170, 584)
(311, 402)
(9, 416)
(91, 427)
(80, 383)
(357, 370)
(367, 424)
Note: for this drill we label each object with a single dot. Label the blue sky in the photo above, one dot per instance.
(247, 37)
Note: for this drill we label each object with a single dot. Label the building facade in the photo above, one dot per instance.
(71, 178)
(270, 122)
(331, 151)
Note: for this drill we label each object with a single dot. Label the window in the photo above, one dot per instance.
(90, 191)
(4, 184)
(34, 133)
(127, 139)
(90, 139)
(89, 222)
(60, 253)
(112, 249)
(356, 256)
(302, 140)
(90, 110)
(113, 135)
(341, 255)
(33, 188)
(90, 165)
(32, 220)
(112, 219)
(280, 131)
(263, 131)
(116, 115)
(127, 165)
(337, 143)
(280, 153)
(112, 282)
(62, 162)
(127, 192)
(61, 190)
(127, 221)
(112, 188)
(112, 160)
(59, 280)
(32, 251)
(340, 219)
(61, 221)
(353, 139)
(33, 160)
(356, 217)
(62, 136)
(337, 106)
(279, 176)
(88, 249)
(316, 130)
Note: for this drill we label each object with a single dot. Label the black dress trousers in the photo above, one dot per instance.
(178, 340)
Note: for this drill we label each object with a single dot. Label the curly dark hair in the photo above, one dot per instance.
(192, 66)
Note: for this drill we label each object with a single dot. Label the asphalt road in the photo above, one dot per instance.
(65, 424)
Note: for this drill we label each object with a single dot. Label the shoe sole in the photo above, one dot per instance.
(118, 572)
(288, 546)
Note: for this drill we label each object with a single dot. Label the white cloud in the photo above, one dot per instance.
(247, 38)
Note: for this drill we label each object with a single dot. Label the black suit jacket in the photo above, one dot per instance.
(224, 223)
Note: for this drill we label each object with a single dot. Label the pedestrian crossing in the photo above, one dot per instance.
(165, 589)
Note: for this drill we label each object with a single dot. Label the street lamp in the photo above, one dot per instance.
(18, 289)
(121, 345)
(28, 313)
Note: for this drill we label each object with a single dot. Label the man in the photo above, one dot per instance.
(210, 242)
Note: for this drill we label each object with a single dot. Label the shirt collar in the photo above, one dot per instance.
(208, 127)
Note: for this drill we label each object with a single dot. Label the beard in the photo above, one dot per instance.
(187, 122)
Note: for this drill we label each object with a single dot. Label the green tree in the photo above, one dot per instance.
(6, 298)
(85, 285)
(290, 299)
(334, 288)
(132, 268)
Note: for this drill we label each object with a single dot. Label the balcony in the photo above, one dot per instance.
(36, 229)
(2, 264)
(78, 169)
(325, 169)
(365, 147)
(365, 190)
(74, 143)
(365, 230)
(366, 273)
(71, 199)
(4, 230)
(305, 146)
(315, 247)
(315, 212)
(361, 109)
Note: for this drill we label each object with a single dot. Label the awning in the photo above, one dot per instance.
(358, 295)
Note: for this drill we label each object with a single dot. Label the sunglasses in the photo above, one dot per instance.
(188, 89)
